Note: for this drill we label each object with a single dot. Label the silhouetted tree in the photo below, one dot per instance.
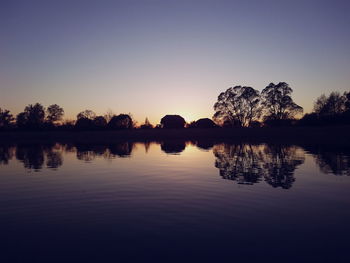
(146, 125)
(278, 103)
(172, 122)
(35, 115)
(87, 114)
(329, 110)
(238, 106)
(100, 122)
(121, 122)
(54, 113)
(6, 118)
(332, 105)
(21, 120)
(85, 120)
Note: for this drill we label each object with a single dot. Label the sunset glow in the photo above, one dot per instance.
(152, 58)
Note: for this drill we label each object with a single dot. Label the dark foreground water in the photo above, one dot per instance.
(174, 201)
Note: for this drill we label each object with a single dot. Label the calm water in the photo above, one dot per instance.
(174, 201)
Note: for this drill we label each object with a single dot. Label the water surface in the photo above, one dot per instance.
(174, 201)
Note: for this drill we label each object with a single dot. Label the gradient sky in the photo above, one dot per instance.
(152, 58)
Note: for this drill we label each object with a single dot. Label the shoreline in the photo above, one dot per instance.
(320, 135)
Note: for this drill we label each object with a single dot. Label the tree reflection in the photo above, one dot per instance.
(54, 159)
(32, 156)
(280, 164)
(244, 163)
(88, 152)
(123, 149)
(240, 163)
(249, 163)
(6, 153)
(331, 159)
(173, 147)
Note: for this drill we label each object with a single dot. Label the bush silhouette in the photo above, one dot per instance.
(121, 122)
(172, 122)
(204, 123)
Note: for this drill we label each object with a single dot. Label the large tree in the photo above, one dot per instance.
(278, 103)
(54, 113)
(239, 106)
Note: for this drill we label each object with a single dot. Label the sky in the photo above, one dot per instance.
(151, 58)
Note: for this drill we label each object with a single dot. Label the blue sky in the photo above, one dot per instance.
(151, 58)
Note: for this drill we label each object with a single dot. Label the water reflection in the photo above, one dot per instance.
(32, 156)
(249, 164)
(173, 147)
(280, 163)
(244, 163)
(239, 163)
(6, 153)
(88, 152)
(331, 159)
(54, 157)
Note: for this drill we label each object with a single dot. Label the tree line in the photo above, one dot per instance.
(238, 106)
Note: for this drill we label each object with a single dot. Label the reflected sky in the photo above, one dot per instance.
(173, 199)
(243, 163)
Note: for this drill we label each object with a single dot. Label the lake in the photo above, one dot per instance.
(174, 201)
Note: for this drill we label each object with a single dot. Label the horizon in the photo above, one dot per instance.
(152, 58)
